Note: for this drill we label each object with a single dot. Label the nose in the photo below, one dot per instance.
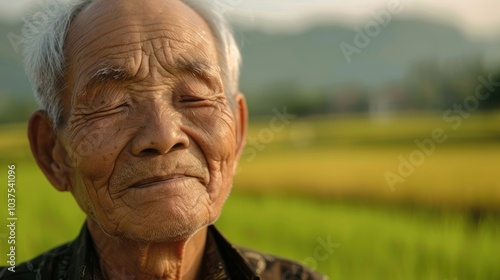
(160, 134)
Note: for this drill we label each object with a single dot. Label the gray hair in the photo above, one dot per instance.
(43, 41)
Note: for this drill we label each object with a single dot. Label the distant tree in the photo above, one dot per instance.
(435, 85)
(493, 101)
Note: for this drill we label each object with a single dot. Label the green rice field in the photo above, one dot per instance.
(322, 180)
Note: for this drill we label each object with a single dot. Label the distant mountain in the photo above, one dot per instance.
(314, 59)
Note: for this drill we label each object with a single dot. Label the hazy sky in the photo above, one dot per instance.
(477, 18)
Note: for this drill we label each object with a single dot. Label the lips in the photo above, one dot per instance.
(159, 179)
(143, 172)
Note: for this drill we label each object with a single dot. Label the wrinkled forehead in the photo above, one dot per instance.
(117, 33)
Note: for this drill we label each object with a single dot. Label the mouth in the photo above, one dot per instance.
(159, 180)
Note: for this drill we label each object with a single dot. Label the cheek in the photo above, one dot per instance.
(217, 133)
(94, 150)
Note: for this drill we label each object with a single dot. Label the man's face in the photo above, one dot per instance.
(151, 138)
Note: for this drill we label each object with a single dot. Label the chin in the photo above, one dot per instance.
(163, 218)
(161, 228)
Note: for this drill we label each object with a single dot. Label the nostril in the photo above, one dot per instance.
(177, 146)
(154, 152)
(147, 152)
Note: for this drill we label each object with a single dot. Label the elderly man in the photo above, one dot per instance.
(143, 123)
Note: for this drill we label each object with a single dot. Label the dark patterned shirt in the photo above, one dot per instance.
(221, 260)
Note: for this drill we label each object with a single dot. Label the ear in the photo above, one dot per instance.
(47, 150)
(241, 118)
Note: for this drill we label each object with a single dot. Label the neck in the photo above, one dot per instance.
(122, 258)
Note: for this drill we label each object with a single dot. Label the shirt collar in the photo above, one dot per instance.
(221, 260)
(235, 266)
(84, 263)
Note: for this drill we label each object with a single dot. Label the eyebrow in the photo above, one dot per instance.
(106, 73)
(199, 68)
(203, 70)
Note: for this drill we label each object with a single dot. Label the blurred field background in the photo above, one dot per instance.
(325, 131)
(442, 223)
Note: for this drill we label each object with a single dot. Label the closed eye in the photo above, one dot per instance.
(110, 111)
(191, 99)
(121, 106)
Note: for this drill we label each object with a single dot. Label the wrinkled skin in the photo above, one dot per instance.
(149, 142)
